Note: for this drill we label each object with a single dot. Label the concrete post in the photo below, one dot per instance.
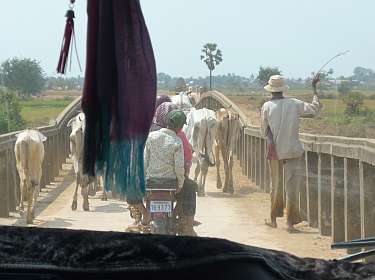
(312, 169)
(262, 164)
(245, 162)
(353, 204)
(337, 199)
(324, 194)
(4, 195)
(258, 163)
(254, 155)
(369, 199)
(249, 157)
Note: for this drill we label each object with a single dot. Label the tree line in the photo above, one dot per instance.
(362, 78)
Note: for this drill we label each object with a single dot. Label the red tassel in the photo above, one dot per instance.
(65, 46)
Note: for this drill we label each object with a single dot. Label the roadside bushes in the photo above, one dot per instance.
(10, 112)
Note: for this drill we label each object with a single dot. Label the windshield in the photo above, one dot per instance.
(263, 132)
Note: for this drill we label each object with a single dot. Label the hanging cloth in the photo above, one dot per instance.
(119, 94)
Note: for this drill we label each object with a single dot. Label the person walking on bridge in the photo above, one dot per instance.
(280, 125)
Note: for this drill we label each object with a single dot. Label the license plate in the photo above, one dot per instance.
(160, 206)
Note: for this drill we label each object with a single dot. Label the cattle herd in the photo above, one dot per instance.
(209, 133)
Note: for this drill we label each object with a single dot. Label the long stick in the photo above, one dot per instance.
(329, 61)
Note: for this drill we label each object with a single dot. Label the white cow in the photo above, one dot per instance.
(29, 152)
(228, 131)
(183, 102)
(201, 131)
(76, 150)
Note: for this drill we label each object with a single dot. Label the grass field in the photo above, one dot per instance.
(38, 112)
(331, 120)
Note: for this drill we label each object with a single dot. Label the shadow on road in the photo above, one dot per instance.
(110, 208)
(57, 223)
(49, 194)
(239, 193)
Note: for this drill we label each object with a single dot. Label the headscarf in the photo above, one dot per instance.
(162, 112)
(160, 99)
(119, 94)
(176, 119)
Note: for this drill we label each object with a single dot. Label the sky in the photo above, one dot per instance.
(298, 36)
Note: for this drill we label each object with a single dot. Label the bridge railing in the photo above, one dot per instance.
(56, 151)
(338, 194)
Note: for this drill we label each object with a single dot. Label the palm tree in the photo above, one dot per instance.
(212, 56)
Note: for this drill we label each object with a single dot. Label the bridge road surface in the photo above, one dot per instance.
(239, 217)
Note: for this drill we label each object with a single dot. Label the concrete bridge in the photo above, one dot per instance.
(337, 201)
(339, 193)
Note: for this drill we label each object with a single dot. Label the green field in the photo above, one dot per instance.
(331, 120)
(39, 112)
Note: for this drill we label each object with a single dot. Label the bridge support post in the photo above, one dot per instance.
(369, 200)
(11, 186)
(267, 172)
(4, 194)
(241, 149)
(249, 157)
(353, 202)
(245, 158)
(324, 194)
(254, 159)
(312, 188)
(262, 164)
(337, 199)
(243, 155)
(302, 194)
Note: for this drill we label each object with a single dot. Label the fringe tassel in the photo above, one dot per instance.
(124, 169)
(65, 46)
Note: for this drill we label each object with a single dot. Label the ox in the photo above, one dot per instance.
(183, 102)
(226, 138)
(76, 150)
(29, 153)
(201, 132)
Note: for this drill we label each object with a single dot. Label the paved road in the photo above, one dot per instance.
(238, 217)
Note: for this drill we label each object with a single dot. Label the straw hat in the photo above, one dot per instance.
(276, 84)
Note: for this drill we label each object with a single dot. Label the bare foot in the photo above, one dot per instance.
(270, 223)
(292, 229)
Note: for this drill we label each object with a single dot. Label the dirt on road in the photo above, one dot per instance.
(239, 217)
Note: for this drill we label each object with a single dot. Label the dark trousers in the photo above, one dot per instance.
(187, 198)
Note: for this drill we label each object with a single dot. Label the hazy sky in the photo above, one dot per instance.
(296, 35)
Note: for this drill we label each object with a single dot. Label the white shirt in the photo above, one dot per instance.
(283, 117)
(164, 156)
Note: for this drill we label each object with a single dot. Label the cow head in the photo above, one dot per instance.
(183, 102)
(76, 136)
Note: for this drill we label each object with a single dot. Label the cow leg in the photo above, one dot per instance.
(36, 190)
(219, 184)
(23, 193)
(104, 195)
(74, 203)
(226, 170)
(197, 171)
(202, 178)
(85, 196)
(230, 174)
(30, 193)
(101, 185)
(204, 175)
(92, 188)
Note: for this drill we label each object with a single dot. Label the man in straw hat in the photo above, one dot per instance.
(280, 124)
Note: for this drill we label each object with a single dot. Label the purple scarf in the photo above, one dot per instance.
(119, 94)
(162, 112)
(160, 99)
